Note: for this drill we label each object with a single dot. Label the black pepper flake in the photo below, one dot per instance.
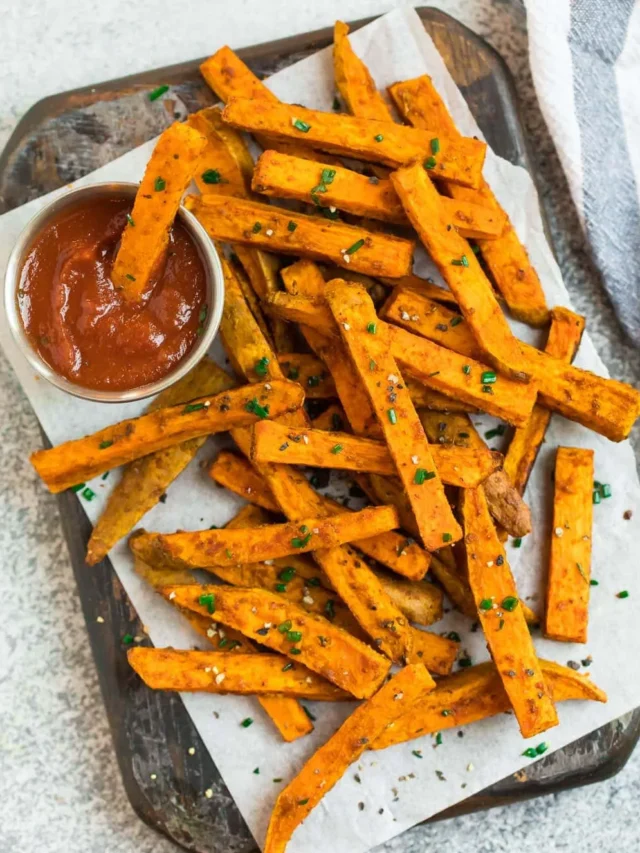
(441, 776)
(284, 446)
(573, 664)
(529, 673)
(499, 560)
(262, 631)
(361, 807)
(442, 327)
(163, 498)
(357, 778)
(380, 811)
(511, 673)
(363, 741)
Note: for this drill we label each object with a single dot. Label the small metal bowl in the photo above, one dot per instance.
(214, 296)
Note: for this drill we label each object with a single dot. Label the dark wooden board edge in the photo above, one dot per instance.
(174, 802)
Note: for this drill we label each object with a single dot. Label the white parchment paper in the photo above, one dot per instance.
(397, 789)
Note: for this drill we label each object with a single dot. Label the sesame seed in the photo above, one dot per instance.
(405, 315)
(307, 599)
(559, 531)
(268, 562)
(207, 403)
(172, 595)
(470, 767)
(415, 459)
(138, 638)
(489, 563)
(100, 620)
(254, 609)
(269, 232)
(216, 670)
(346, 259)
(309, 680)
(192, 750)
(220, 678)
(153, 776)
(207, 669)
(332, 209)
(267, 625)
(208, 793)
(211, 632)
(305, 439)
(222, 633)
(393, 379)
(346, 327)
(398, 696)
(316, 530)
(415, 318)
(267, 386)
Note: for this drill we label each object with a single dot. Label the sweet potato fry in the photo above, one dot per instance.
(321, 772)
(506, 258)
(461, 270)
(564, 339)
(279, 230)
(282, 176)
(502, 619)
(411, 309)
(567, 605)
(428, 363)
(230, 470)
(204, 548)
(427, 398)
(286, 713)
(353, 80)
(389, 549)
(74, 461)
(320, 449)
(422, 285)
(340, 658)
(477, 693)
(356, 318)
(303, 278)
(310, 372)
(145, 238)
(603, 405)
(144, 481)
(245, 674)
(459, 162)
(226, 166)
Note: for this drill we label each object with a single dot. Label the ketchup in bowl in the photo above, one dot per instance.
(78, 322)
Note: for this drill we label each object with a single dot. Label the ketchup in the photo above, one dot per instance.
(79, 323)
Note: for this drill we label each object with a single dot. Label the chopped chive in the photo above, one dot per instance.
(372, 328)
(594, 582)
(417, 753)
(455, 321)
(105, 475)
(159, 184)
(541, 748)
(130, 220)
(464, 260)
(430, 163)
(257, 226)
(278, 779)
(372, 364)
(255, 408)
(446, 713)
(327, 176)
(130, 277)
(280, 587)
(439, 739)
(510, 603)
(295, 651)
(202, 316)
(435, 146)
(224, 642)
(466, 369)
(422, 475)
(623, 594)
(257, 771)
(453, 635)
(127, 639)
(261, 366)
(283, 627)
(104, 444)
(447, 537)
(78, 488)
(292, 225)
(157, 93)
(88, 494)
(303, 802)
(606, 490)
(597, 497)
(530, 752)
(246, 722)
(486, 604)
(193, 407)
(211, 176)
(501, 625)
(287, 574)
(379, 137)
(301, 542)
(352, 249)
(294, 636)
(488, 377)
(228, 553)
(311, 716)
(492, 433)
(337, 448)
(208, 601)
(517, 542)
(301, 125)
(313, 581)
(393, 418)
(287, 667)
(329, 609)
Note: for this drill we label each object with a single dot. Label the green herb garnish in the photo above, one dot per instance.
(104, 444)
(301, 125)
(209, 601)
(157, 93)
(159, 184)
(255, 408)
(211, 176)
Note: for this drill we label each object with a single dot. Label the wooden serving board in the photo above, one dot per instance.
(63, 138)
